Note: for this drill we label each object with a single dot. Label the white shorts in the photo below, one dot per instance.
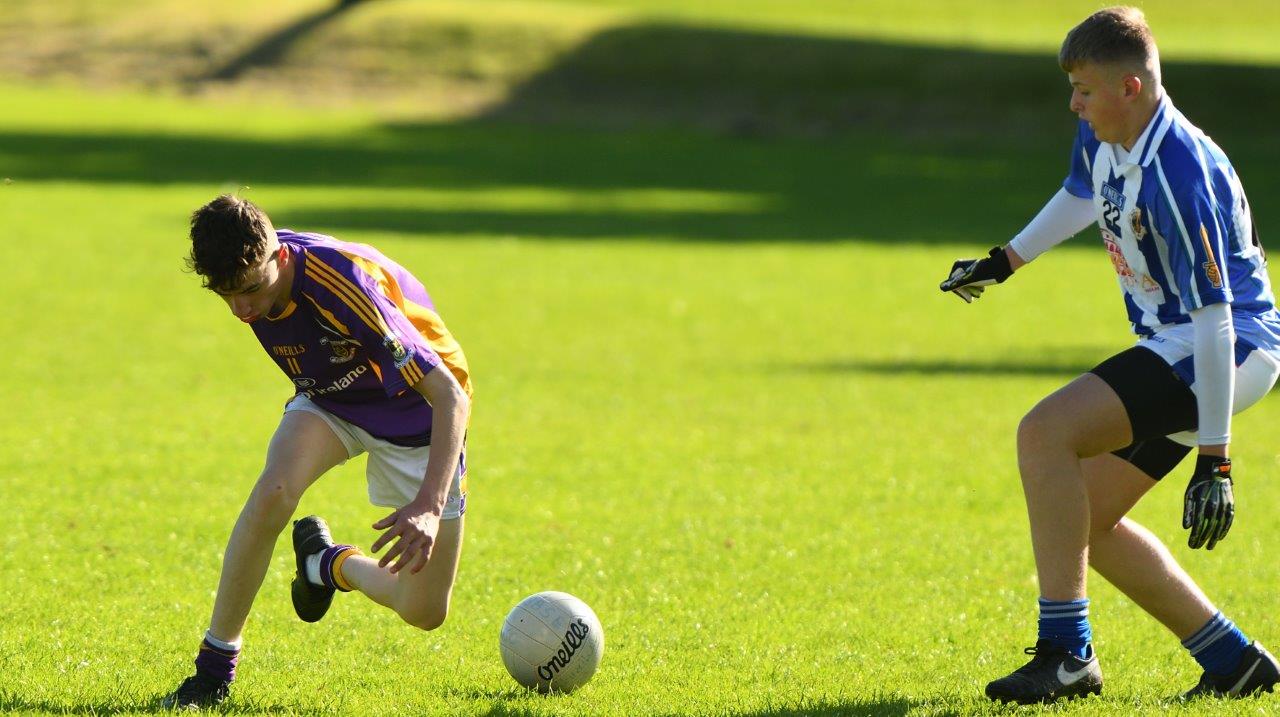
(394, 473)
(1254, 376)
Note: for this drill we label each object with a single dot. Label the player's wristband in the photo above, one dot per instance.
(1213, 466)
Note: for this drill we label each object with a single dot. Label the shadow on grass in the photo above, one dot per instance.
(946, 367)
(10, 703)
(890, 706)
(863, 188)
(272, 48)
(910, 145)
(752, 82)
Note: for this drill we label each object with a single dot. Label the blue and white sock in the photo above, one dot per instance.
(1218, 645)
(1066, 624)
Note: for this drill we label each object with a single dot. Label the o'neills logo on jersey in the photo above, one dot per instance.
(289, 349)
(1113, 194)
(573, 638)
(341, 383)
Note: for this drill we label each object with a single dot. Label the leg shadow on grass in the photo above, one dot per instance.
(139, 704)
(888, 706)
(946, 367)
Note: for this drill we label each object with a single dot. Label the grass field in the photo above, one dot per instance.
(718, 394)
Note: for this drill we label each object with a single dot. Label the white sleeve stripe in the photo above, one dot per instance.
(1220, 249)
(1186, 238)
(1162, 251)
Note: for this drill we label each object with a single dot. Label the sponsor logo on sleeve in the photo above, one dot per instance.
(398, 352)
(1210, 267)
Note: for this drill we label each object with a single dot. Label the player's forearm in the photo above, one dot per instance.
(1064, 216)
(1214, 360)
(449, 414)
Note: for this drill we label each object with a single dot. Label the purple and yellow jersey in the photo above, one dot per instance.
(358, 333)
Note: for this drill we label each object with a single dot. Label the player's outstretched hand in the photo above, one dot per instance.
(1208, 506)
(414, 531)
(969, 277)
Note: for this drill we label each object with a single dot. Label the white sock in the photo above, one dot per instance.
(313, 569)
(223, 644)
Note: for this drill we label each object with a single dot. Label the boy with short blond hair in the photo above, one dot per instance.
(1178, 229)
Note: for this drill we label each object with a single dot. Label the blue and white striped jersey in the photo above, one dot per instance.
(1177, 227)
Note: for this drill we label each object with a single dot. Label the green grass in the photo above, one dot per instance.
(718, 394)
(780, 469)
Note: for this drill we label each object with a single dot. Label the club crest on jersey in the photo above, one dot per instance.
(343, 349)
(1135, 223)
(399, 353)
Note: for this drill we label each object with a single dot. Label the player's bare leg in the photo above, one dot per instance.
(1134, 560)
(420, 599)
(1130, 557)
(302, 449)
(1082, 419)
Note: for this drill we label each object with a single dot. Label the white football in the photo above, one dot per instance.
(552, 641)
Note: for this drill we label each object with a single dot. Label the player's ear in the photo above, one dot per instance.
(1132, 86)
(282, 254)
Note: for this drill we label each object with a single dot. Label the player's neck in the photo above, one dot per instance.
(286, 286)
(1141, 118)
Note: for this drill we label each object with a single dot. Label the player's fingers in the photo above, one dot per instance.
(385, 538)
(960, 293)
(424, 557)
(392, 553)
(407, 557)
(386, 522)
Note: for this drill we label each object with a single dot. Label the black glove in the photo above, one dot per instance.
(970, 276)
(1208, 506)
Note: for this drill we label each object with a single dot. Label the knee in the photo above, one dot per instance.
(273, 500)
(424, 617)
(1035, 430)
(1045, 428)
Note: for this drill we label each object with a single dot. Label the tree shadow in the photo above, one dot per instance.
(810, 139)
(271, 49)
(768, 83)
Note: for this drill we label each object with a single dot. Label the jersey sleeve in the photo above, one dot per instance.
(1079, 179)
(353, 300)
(1183, 211)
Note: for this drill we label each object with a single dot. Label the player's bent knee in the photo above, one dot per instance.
(425, 618)
(1034, 430)
(273, 500)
